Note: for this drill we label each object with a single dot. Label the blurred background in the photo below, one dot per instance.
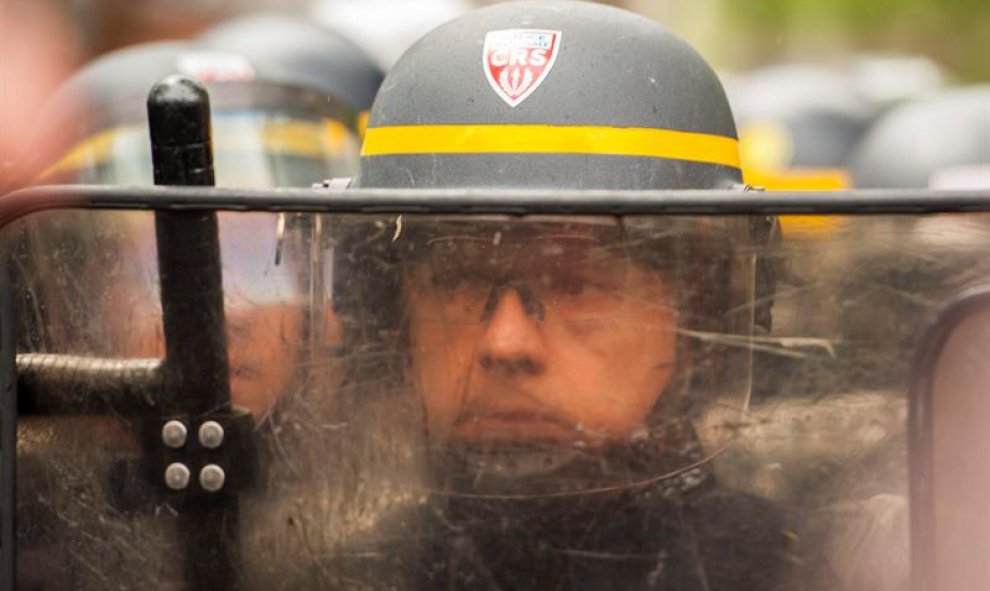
(828, 94)
(734, 34)
(887, 51)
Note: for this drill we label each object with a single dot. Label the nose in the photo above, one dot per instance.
(513, 342)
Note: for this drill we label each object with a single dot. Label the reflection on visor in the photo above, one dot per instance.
(573, 277)
(251, 149)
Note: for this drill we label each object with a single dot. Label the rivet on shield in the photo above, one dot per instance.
(210, 434)
(174, 434)
(177, 476)
(212, 477)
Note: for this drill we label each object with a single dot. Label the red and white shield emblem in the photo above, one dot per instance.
(516, 61)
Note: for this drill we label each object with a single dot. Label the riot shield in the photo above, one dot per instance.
(950, 484)
(489, 390)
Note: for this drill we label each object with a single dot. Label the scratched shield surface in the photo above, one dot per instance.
(487, 402)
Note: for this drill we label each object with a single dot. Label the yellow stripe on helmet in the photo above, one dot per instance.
(551, 139)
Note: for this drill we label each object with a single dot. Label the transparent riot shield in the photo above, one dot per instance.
(476, 390)
(950, 484)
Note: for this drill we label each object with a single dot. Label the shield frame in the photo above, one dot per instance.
(18, 204)
(921, 429)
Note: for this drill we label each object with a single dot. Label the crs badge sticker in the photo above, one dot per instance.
(516, 61)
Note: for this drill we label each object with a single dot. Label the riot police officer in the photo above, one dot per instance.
(287, 111)
(555, 364)
(286, 115)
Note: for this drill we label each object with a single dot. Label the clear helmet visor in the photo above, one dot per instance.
(251, 149)
(534, 348)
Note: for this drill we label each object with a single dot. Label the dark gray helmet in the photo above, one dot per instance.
(276, 122)
(298, 52)
(797, 126)
(551, 94)
(941, 142)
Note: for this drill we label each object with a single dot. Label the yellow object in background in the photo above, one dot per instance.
(767, 151)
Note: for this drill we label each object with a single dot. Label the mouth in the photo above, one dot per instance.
(497, 456)
(514, 426)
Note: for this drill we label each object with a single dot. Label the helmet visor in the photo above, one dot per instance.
(251, 149)
(534, 344)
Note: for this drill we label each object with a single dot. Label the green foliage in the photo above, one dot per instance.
(954, 32)
(856, 12)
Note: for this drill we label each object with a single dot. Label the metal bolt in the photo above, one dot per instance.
(177, 476)
(210, 434)
(174, 434)
(211, 477)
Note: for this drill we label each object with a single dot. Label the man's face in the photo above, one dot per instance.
(551, 334)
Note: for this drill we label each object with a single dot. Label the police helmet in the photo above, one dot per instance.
(551, 94)
(941, 142)
(273, 123)
(798, 125)
(298, 52)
